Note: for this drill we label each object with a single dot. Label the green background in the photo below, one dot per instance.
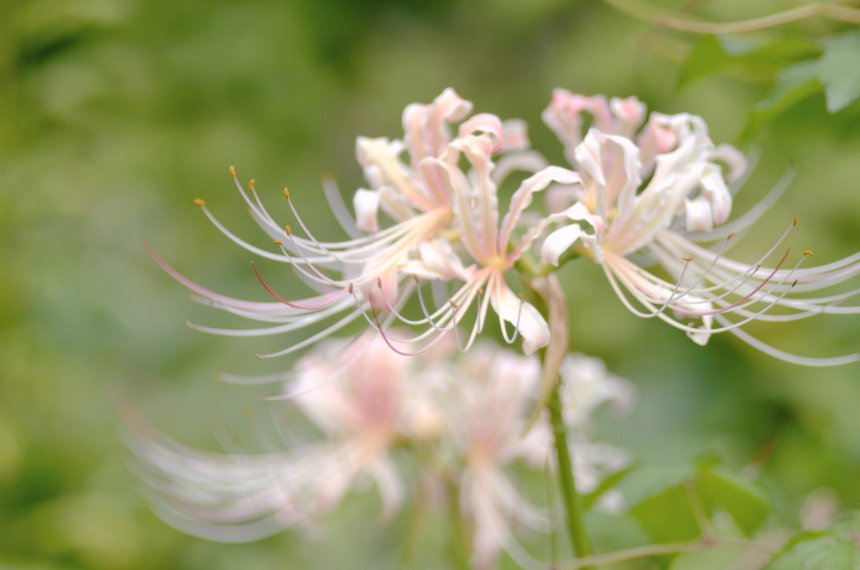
(115, 115)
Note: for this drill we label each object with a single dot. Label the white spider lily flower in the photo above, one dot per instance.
(363, 399)
(364, 275)
(614, 214)
(587, 385)
(489, 244)
(492, 393)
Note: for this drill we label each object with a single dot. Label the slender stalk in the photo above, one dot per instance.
(645, 11)
(459, 538)
(570, 497)
(662, 549)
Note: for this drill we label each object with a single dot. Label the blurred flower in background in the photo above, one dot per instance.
(461, 419)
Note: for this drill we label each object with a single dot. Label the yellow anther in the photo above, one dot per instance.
(251, 184)
(794, 221)
(687, 258)
(286, 193)
(730, 235)
(288, 230)
(808, 253)
(232, 170)
(200, 201)
(278, 242)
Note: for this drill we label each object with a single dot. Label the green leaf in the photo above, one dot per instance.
(819, 552)
(848, 528)
(706, 57)
(740, 498)
(756, 61)
(793, 85)
(667, 516)
(839, 71)
(717, 559)
(609, 482)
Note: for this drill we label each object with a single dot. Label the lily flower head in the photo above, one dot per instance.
(489, 246)
(363, 400)
(662, 194)
(374, 271)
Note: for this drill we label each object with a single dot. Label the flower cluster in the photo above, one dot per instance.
(429, 247)
(660, 191)
(461, 418)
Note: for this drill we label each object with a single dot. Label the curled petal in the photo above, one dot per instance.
(426, 125)
(528, 320)
(366, 203)
(483, 123)
(514, 135)
(559, 242)
(699, 215)
(717, 193)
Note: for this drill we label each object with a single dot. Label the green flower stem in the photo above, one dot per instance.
(567, 482)
(653, 550)
(459, 538)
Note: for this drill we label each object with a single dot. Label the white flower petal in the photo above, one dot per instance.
(366, 204)
(700, 218)
(559, 242)
(528, 320)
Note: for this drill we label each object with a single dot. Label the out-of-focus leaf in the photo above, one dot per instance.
(667, 516)
(756, 60)
(836, 548)
(738, 497)
(609, 482)
(717, 559)
(706, 57)
(794, 84)
(839, 71)
(848, 528)
(818, 551)
(668, 513)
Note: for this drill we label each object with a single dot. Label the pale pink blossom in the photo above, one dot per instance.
(362, 398)
(661, 194)
(492, 395)
(372, 274)
(491, 247)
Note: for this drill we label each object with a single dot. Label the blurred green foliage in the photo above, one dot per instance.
(115, 114)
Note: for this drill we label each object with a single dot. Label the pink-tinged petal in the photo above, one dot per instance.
(366, 204)
(522, 198)
(382, 166)
(391, 491)
(717, 193)
(559, 242)
(629, 112)
(514, 135)
(426, 126)
(564, 117)
(529, 161)
(699, 216)
(475, 200)
(611, 166)
(676, 175)
(483, 123)
(440, 260)
(513, 309)
(732, 157)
